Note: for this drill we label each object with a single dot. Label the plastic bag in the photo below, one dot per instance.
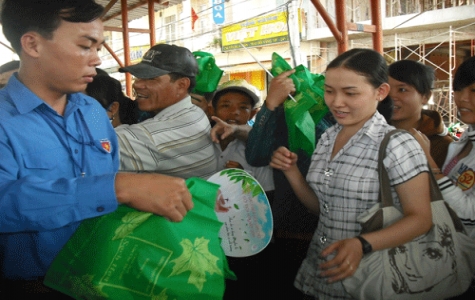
(302, 116)
(209, 73)
(136, 255)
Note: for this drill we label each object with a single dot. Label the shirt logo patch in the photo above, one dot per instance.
(466, 180)
(106, 145)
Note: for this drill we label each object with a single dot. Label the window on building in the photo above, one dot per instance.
(170, 28)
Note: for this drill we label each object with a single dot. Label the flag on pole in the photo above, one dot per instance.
(194, 17)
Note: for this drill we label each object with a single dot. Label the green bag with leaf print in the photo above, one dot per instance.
(136, 255)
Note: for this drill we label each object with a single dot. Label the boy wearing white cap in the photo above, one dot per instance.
(234, 104)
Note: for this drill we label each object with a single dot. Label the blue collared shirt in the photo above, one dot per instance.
(55, 171)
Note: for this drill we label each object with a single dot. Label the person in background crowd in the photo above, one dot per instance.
(7, 70)
(342, 181)
(411, 88)
(176, 140)
(59, 151)
(101, 72)
(108, 91)
(456, 178)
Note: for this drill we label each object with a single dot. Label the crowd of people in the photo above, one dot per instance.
(75, 147)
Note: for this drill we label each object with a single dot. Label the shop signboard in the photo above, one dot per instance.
(218, 11)
(137, 52)
(256, 32)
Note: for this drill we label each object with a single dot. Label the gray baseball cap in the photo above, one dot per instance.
(162, 59)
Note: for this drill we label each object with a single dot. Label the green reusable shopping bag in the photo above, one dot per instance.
(136, 255)
(209, 73)
(309, 108)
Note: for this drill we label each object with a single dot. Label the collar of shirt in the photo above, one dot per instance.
(18, 92)
(457, 146)
(232, 146)
(373, 128)
(469, 133)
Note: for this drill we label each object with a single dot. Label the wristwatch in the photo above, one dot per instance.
(367, 248)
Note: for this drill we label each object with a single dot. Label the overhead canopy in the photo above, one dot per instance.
(136, 9)
(114, 14)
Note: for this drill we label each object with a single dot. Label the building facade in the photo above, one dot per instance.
(439, 33)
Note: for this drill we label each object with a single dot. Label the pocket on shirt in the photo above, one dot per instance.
(44, 159)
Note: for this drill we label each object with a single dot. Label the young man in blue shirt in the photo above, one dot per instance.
(59, 152)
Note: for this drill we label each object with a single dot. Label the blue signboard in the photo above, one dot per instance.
(218, 11)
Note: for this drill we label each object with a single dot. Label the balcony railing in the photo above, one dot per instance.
(404, 7)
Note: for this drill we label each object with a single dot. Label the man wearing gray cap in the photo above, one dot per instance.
(176, 141)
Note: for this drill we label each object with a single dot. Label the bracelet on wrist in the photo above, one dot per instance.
(366, 246)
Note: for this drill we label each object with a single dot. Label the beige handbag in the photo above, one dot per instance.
(436, 265)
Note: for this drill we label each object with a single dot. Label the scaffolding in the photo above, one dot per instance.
(441, 48)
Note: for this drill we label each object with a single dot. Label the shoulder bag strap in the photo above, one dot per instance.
(385, 196)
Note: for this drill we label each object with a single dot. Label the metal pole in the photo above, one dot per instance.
(151, 21)
(125, 34)
(326, 17)
(340, 8)
(376, 21)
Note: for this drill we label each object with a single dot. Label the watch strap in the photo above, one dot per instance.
(366, 246)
